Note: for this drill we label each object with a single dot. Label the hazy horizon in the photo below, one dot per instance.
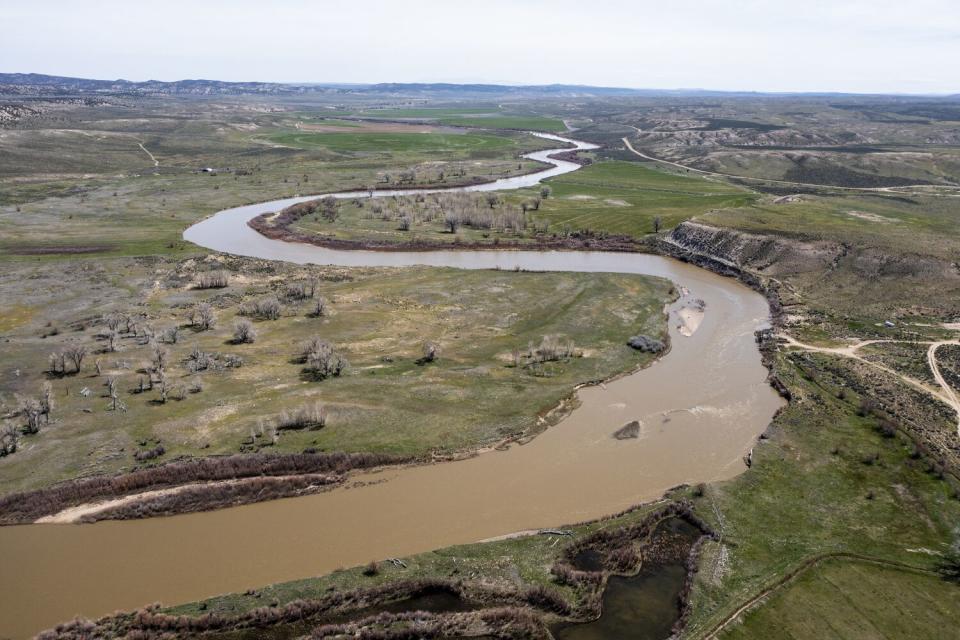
(851, 46)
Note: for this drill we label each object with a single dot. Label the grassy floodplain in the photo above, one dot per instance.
(480, 117)
(625, 197)
(854, 600)
(378, 319)
(605, 198)
(428, 143)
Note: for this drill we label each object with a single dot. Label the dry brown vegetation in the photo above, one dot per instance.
(18, 508)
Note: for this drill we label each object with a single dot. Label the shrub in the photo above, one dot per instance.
(887, 428)
(552, 349)
(170, 335)
(301, 290)
(266, 308)
(19, 508)
(149, 454)
(202, 317)
(431, 351)
(243, 332)
(319, 308)
(311, 416)
(646, 344)
(323, 361)
(212, 280)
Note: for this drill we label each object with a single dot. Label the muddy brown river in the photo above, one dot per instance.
(701, 408)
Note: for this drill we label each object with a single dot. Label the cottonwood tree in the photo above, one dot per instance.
(545, 192)
(159, 360)
(31, 409)
(452, 222)
(657, 222)
(115, 403)
(330, 209)
(202, 317)
(46, 400)
(76, 353)
(113, 336)
(162, 384)
(58, 363)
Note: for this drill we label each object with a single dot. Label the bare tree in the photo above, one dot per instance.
(243, 332)
(492, 199)
(76, 353)
(162, 383)
(31, 409)
(657, 222)
(58, 363)
(202, 317)
(46, 400)
(452, 221)
(330, 209)
(114, 321)
(160, 358)
(545, 192)
(115, 403)
(552, 348)
(113, 336)
(310, 416)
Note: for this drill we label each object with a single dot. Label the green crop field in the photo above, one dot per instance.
(481, 117)
(850, 600)
(395, 142)
(625, 197)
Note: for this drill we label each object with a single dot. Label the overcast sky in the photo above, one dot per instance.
(767, 45)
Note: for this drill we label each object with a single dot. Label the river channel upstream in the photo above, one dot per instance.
(701, 408)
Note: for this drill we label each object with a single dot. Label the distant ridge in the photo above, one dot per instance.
(41, 84)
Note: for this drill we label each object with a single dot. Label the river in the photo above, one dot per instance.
(701, 408)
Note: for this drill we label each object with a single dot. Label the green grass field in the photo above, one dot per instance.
(809, 492)
(625, 197)
(850, 600)
(466, 143)
(481, 117)
(917, 223)
(379, 320)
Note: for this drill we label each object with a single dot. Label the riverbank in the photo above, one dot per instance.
(646, 538)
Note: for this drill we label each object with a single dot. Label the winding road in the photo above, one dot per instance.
(929, 189)
(947, 395)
